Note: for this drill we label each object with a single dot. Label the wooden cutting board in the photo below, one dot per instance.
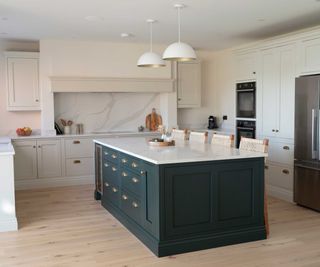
(153, 120)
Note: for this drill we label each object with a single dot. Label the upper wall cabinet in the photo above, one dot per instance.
(245, 65)
(309, 56)
(189, 84)
(22, 81)
(276, 88)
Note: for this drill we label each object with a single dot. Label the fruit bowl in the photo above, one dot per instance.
(25, 131)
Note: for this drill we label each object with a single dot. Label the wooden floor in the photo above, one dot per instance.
(66, 227)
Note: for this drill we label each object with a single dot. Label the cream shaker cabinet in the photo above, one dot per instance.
(277, 83)
(309, 56)
(189, 84)
(22, 81)
(245, 65)
(37, 159)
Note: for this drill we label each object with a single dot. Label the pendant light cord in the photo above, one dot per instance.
(151, 37)
(179, 26)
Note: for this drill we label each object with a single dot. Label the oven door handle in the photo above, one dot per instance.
(245, 128)
(245, 90)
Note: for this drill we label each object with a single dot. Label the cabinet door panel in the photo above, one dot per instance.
(287, 89)
(49, 158)
(310, 60)
(246, 67)
(270, 82)
(188, 199)
(189, 84)
(25, 160)
(23, 82)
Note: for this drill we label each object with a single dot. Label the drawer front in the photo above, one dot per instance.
(131, 206)
(131, 163)
(110, 155)
(111, 193)
(132, 182)
(111, 172)
(79, 148)
(80, 167)
(279, 176)
(282, 153)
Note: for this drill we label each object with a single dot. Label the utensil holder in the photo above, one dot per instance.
(67, 130)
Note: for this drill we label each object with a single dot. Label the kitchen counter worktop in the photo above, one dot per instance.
(182, 152)
(6, 147)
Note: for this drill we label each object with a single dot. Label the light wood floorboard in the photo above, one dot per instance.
(67, 227)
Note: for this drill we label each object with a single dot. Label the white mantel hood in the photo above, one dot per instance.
(111, 84)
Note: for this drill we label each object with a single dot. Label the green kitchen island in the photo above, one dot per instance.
(182, 198)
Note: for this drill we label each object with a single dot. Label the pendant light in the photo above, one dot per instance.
(179, 51)
(150, 59)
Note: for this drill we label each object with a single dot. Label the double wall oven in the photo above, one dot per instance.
(245, 110)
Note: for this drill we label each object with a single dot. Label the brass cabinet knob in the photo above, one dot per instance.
(179, 99)
(115, 190)
(114, 169)
(124, 160)
(124, 174)
(285, 171)
(37, 100)
(124, 197)
(106, 165)
(135, 180)
(134, 165)
(286, 148)
(142, 172)
(135, 204)
(106, 184)
(34, 146)
(114, 156)
(277, 131)
(273, 130)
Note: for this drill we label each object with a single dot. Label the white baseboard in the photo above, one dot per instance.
(9, 224)
(53, 182)
(281, 193)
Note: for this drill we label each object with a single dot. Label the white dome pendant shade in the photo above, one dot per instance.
(179, 51)
(150, 59)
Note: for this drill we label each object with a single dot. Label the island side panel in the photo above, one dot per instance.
(211, 204)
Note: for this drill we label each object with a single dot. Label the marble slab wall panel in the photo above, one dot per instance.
(100, 112)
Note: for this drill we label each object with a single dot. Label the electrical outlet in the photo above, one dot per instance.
(225, 117)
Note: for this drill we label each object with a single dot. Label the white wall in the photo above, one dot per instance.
(10, 120)
(218, 92)
(96, 59)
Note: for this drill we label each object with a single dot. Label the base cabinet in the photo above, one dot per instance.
(25, 160)
(195, 205)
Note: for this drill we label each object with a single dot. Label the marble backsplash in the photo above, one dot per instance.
(100, 112)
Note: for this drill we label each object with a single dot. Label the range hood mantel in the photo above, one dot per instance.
(111, 84)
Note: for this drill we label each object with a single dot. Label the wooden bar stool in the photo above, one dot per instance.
(255, 145)
(223, 140)
(198, 137)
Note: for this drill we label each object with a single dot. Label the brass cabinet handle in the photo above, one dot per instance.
(124, 174)
(114, 169)
(124, 197)
(115, 190)
(106, 184)
(266, 167)
(124, 161)
(285, 171)
(114, 156)
(106, 153)
(286, 148)
(135, 204)
(106, 165)
(76, 142)
(134, 165)
(135, 180)
(77, 161)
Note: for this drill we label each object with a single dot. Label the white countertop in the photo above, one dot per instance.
(182, 152)
(6, 147)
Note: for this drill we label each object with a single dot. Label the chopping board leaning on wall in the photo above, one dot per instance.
(153, 120)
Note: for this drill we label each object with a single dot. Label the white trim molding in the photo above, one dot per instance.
(9, 224)
(111, 84)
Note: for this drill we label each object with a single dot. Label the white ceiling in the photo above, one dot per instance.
(206, 24)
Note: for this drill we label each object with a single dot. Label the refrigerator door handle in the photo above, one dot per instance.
(313, 128)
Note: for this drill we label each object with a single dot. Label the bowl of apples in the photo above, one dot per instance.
(25, 131)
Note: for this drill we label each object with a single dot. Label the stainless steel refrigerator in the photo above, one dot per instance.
(307, 142)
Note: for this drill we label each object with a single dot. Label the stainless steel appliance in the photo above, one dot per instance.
(246, 100)
(246, 129)
(307, 142)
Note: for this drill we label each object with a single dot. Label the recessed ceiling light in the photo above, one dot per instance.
(126, 35)
(93, 18)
